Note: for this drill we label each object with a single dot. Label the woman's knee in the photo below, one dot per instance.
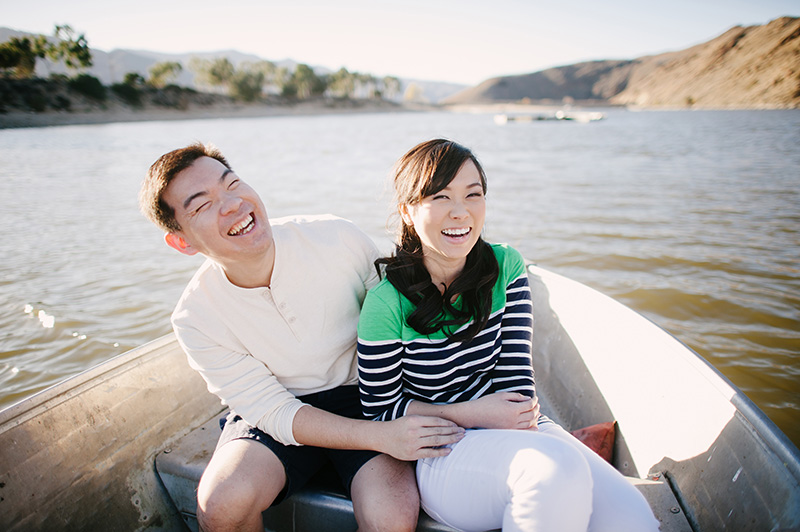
(552, 471)
(620, 507)
(551, 488)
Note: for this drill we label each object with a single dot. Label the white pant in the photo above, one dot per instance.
(529, 481)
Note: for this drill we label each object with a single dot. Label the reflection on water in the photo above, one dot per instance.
(692, 218)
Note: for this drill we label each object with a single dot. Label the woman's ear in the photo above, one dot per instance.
(404, 214)
(177, 242)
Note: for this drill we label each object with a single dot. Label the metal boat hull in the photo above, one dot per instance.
(81, 455)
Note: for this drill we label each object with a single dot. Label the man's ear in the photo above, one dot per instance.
(177, 242)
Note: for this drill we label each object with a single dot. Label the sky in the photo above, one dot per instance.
(459, 41)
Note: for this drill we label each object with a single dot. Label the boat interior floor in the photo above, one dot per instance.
(322, 506)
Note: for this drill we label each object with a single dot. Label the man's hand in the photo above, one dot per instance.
(415, 437)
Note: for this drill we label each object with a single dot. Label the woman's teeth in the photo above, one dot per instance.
(456, 232)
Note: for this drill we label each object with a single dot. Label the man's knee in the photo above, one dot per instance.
(225, 505)
(242, 480)
(385, 495)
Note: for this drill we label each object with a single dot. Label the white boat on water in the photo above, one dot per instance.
(121, 446)
(577, 116)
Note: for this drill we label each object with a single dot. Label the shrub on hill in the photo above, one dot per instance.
(89, 86)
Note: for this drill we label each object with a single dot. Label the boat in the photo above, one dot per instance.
(577, 116)
(121, 446)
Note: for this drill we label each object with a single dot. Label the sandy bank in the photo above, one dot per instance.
(115, 113)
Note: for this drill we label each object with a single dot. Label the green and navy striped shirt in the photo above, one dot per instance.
(397, 365)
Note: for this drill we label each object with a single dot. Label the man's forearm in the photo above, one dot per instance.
(312, 426)
(407, 438)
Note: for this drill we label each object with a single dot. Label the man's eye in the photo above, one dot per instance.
(233, 184)
(202, 207)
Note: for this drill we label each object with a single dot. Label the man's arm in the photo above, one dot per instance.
(407, 438)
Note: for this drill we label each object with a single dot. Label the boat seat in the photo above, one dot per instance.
(322, 505)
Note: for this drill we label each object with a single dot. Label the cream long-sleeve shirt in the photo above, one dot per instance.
(259, 348)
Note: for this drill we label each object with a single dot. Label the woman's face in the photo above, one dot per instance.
(450, 221)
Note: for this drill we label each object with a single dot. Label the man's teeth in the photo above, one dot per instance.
(456, 232)
(240, 227)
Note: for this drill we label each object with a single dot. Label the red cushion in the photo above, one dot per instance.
(599, 438)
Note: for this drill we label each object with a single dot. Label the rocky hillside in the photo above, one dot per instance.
(746, 67)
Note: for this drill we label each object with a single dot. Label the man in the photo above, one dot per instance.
(269, 321)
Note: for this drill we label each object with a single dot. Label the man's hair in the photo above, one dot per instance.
(161, 174)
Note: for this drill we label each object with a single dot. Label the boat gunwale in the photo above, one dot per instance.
(768, 431)
(33, 405)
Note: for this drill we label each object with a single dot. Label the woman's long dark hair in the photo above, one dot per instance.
(425, 170)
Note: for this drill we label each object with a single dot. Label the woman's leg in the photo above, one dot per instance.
(517, 480)
(617, 505)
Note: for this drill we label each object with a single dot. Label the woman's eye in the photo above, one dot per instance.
(233, 184)
(439, 196)
(202, 207)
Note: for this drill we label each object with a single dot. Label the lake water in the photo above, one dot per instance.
(691, 218)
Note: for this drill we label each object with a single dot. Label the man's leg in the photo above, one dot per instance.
(241, 480)
(385, 496)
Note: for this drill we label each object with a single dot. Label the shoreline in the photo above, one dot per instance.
(117, 113)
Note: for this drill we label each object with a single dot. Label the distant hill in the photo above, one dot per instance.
(111, 67)
(745, 67)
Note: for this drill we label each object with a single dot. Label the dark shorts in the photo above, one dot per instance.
(303, 462)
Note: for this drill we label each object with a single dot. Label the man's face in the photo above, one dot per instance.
(219, 214)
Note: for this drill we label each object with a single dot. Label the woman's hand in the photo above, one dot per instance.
(504, 410)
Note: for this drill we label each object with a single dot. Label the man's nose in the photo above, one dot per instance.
(230, 203)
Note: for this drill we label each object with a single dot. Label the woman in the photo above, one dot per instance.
(448, 333)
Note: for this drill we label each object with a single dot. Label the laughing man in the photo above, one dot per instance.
(269, 321)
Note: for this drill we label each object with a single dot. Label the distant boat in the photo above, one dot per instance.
(122, 446)
(577, 116)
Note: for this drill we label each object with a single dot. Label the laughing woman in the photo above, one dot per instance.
(448, 332)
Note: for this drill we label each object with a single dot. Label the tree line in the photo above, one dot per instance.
(248, 81)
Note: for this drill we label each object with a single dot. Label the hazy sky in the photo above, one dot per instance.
(464, 41)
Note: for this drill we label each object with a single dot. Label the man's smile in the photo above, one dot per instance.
(243, 227)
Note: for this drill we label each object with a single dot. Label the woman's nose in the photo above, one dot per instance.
(458, 210)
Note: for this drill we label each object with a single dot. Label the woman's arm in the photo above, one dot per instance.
(380, 379)
(514, 369)
(380, 358)
(502, 410)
